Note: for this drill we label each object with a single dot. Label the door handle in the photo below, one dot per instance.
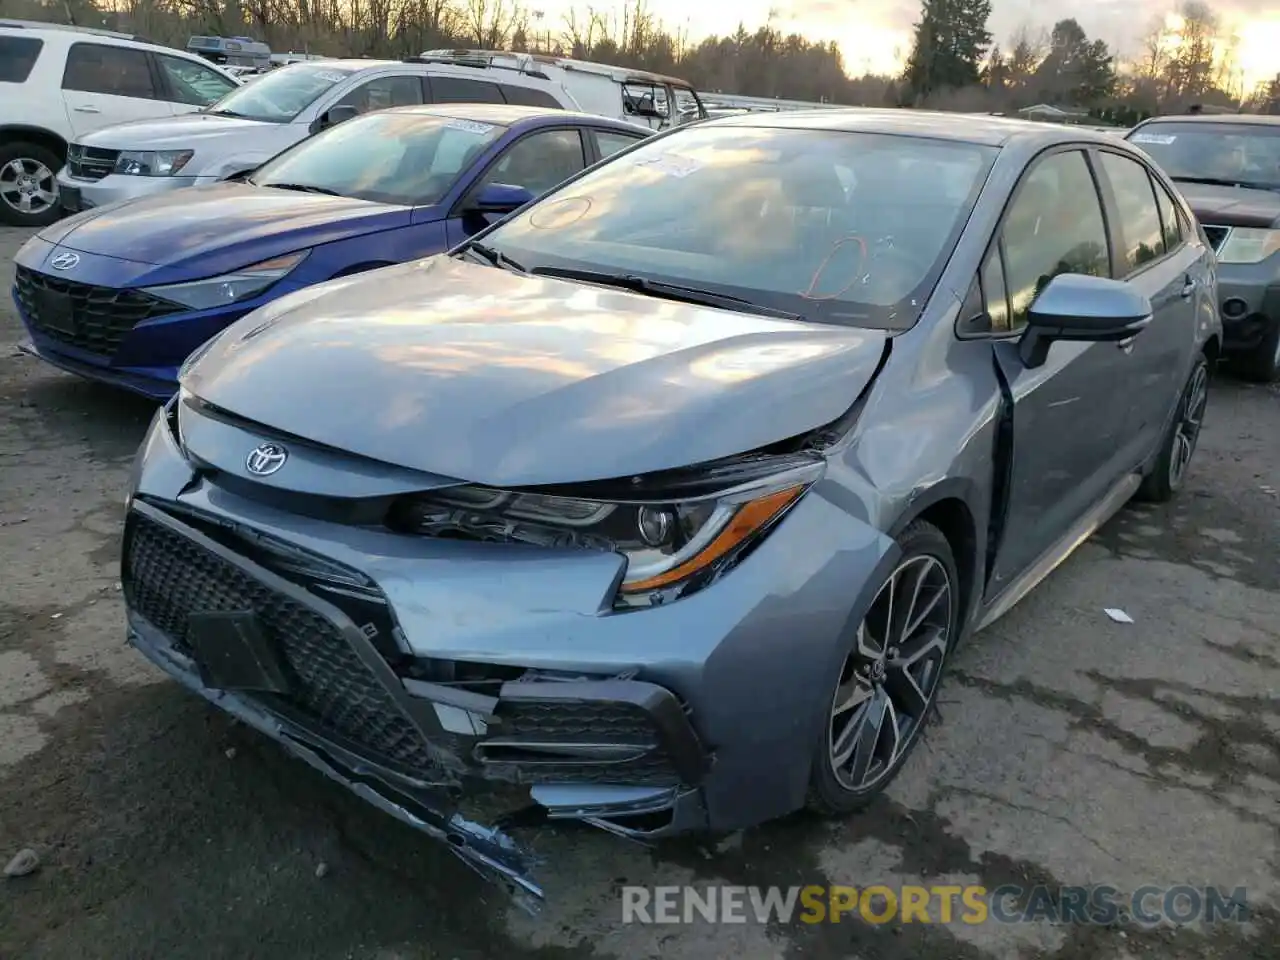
(1189, 287)
(86, 109)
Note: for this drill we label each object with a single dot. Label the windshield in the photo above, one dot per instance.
(282, 94)
(1231, 152)
(393, 156)
(837, 227)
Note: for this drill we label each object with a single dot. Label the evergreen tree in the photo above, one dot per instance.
(951, 41)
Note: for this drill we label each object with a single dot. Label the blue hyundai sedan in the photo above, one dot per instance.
(123, 293)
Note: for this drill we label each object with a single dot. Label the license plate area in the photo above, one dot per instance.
(55, 310)
(232, 652)
(69, 198)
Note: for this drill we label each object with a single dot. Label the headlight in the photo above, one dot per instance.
(230, 287)
(1249, 245)
(670, 544)
(151, 163)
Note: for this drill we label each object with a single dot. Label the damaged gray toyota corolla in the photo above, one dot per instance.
(662, 504)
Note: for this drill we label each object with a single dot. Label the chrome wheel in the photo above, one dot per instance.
(28, 186)
(1186, 431)
(888, 680)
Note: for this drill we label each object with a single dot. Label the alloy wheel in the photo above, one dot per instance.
(888, 680)
(1187, 430)
(28, 186)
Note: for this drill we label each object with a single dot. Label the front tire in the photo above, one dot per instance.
(28, 185)
(889, 679)
(1170, 469)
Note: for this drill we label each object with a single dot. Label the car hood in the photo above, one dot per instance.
(1232, 206)
(483, 375)
(203, 229)
(182, 132)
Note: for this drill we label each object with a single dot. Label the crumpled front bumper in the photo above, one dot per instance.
(470, 747)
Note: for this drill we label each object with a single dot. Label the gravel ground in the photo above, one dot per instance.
(1073, 750)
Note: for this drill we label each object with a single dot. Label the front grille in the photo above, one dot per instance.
(170, 577)
(90, 163)
(100, 318)
(584, 721)
(1217, 236)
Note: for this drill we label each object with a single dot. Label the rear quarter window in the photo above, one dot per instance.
(18, 57)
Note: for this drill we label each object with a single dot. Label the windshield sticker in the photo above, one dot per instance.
(470, 126)
(670, 163)
(1164, 139)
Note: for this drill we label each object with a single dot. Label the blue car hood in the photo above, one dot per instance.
(204, 231)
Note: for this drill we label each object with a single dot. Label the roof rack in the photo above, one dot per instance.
(72, 27)
(466, 58)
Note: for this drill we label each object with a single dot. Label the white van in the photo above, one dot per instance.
(637, 96)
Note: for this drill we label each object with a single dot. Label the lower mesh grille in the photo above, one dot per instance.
(169, 577)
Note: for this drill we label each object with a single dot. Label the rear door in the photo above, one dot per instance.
(1153, 256)
(537, 161)
(105, 84)
(1069, 440)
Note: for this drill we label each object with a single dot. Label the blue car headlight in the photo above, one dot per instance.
(231, 287)
(151, 163)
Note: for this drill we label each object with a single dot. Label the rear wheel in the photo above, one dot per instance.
(28, 185)
(1170, 470)
(889, 679)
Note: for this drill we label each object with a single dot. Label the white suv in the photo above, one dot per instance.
(60, 83)
(255, 122)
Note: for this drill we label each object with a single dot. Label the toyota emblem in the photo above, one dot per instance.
(265, 459)
(64, 261)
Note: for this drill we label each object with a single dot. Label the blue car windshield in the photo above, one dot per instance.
(403, 157)
(284, 93)
(834, 226)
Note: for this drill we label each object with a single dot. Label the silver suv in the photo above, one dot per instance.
(256, 121)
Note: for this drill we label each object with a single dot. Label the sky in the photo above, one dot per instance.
(875, 34)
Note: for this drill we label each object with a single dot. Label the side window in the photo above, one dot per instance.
(1170, 220)
(17, 56)
(463, 90)
(401, 91)
(539, 161)
(1136, 205)
(529, 97)
(995, 293)
(101, 68)
(189, 82)
(610, 142)
(1054, 226)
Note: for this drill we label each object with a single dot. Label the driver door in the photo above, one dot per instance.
(1070, 416)
(537, 161)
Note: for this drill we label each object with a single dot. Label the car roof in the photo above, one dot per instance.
(1249, 119)
(933, 124)
(509, 114)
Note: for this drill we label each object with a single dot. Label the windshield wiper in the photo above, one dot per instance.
(228, 113)
(495, 257)
(1221, 182)
(301, 188)
(666, 291)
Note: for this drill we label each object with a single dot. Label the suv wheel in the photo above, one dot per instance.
(28, 185)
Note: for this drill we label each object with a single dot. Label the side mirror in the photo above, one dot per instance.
(1082, 308)
(500, 198)
(337, 114)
